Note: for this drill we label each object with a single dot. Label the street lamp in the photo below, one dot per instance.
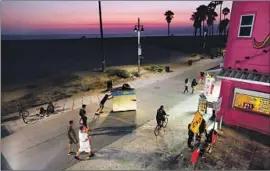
(138, 28)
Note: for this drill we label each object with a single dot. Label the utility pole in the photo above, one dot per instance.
(101, 38)
(138, 28)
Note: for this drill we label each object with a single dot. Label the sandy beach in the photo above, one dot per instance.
(35, 72)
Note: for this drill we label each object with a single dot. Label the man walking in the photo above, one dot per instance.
(82, 115)
(72, 138)
(186, 85)
(190, 137)
(102, 102)
(84, 139)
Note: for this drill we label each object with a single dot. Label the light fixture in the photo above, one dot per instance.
(135, 29)
(142, 28)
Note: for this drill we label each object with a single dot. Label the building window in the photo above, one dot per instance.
(246, 25)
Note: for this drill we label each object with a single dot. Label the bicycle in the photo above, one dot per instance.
(163, 125)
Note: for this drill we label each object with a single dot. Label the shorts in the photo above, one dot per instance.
(71, 141)
(101, 105)
(85, 149)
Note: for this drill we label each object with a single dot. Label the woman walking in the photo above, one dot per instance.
(186, 85)
(193, 85)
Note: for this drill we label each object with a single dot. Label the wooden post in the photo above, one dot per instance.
(73, 104)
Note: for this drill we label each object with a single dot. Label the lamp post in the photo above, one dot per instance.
(101, 37)
(138, 28)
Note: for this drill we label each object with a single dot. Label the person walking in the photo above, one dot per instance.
(186, 85)
(84, 140)
(82, 115)
(72, 138)
(193, 85)
(102, 102)
(190, 137)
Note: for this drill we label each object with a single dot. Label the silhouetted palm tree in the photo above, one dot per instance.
(220, 9)
(196, 23)
(169, 16)
(225, 12)
(222, 27)
(202, 13)
(211, 16)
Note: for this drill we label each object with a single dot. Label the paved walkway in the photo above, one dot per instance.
(141, 149)
(42, 145)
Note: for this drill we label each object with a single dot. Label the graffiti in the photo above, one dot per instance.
(263, 44)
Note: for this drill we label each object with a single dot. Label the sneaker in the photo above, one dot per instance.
(70, 153)
(76, 157)
(92, 155)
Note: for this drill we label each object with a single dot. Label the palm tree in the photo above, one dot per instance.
(222, 27)
(196, 22)
(220, 8)
(202, 13)
(211, 15)
(225, 12)
(169, 16)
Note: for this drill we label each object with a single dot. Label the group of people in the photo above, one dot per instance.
(83, 143)
(193, 85)
(197, 137)
(48, 111)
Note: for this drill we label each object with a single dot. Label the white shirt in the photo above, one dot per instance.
(83, 139)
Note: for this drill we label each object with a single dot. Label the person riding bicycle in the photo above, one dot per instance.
(161, 116)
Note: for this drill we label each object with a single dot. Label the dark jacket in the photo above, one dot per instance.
(82, 113)
(160, 114)
(193, 83)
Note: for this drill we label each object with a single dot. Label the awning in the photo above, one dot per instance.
(214, 69)
(245, 76)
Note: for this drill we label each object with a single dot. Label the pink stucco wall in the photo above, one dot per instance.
(239, 48)
(232, 116)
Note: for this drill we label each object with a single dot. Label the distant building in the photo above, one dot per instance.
(245, 85)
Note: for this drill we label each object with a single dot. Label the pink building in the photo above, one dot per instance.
(245, 85)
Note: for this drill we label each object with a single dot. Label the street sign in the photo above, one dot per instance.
(217, 104)
(196, 122)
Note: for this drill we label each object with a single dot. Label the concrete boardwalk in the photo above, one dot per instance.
(43, 145)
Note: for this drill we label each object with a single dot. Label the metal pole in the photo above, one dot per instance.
(139, 45)
(101, 36)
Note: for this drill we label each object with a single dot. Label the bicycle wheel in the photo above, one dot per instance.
(24, 118)
(157, 130)
(165, 122)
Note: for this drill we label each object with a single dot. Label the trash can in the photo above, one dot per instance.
(189, 62)
(109, 85)
(167, 69)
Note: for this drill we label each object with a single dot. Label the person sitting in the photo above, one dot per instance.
(50, 108)
(160, 117)
(42, 111)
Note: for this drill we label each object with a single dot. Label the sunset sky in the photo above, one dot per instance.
(76, 17)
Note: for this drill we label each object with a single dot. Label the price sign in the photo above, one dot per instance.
(196, 122)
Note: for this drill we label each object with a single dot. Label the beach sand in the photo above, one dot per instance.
(44, 90)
